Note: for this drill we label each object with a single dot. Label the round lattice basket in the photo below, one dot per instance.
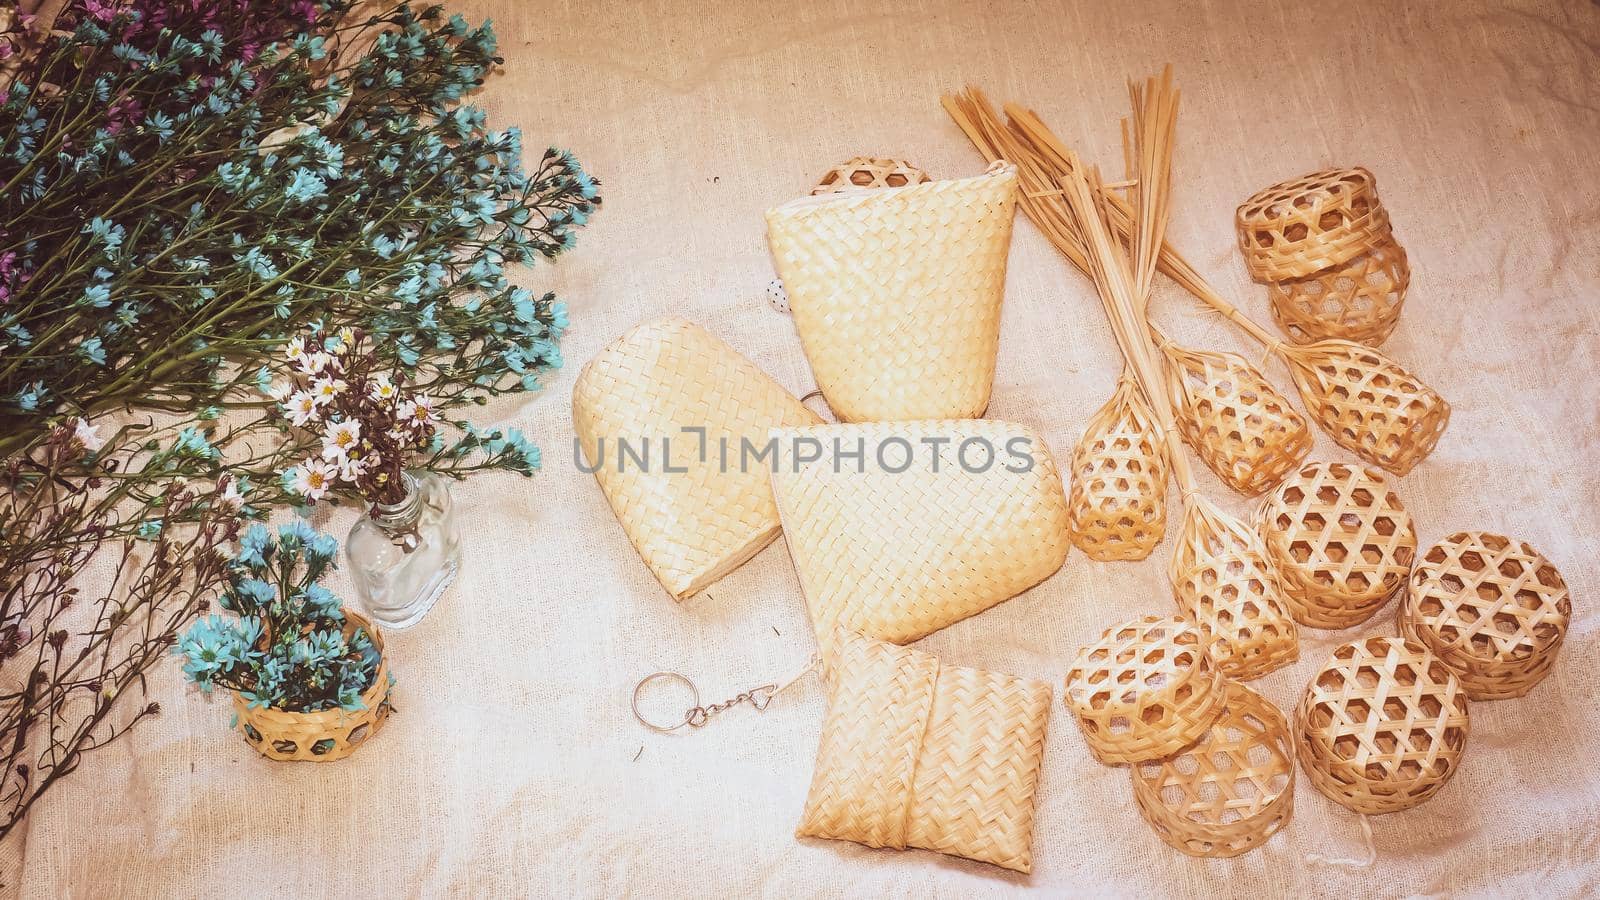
(1230, 791)
(1382, 727)
(866, 172)
(1492, 609)
(1369, 404)
(1117, 502)
(326, 735)
(1237, 423)
(1340, 542)
(1146, 689)
(1304, 225)
(1358, 300)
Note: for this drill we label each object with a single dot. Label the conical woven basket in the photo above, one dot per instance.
(1369, 404)
(694, 504)
(918, 754)
(1118, 503)
(1340, 542)
(1382, 727)
(1230, 791)
(1145, 690)
(1492, 609)
(868, 173)
(898, 529)
(1302, 226)
(1358, 300)
(896, 293)
(325, 735)
(1237, 422)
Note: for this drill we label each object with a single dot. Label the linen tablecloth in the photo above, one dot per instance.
(513, 764)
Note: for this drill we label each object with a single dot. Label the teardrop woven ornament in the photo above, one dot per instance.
(1234, 419)
(1358, 300)
(1118, 500)
(1304, 225)
(1368, 403)
(867, 173)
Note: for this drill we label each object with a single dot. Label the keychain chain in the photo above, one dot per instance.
(698, 714)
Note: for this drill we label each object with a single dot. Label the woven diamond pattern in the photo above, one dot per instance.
(1237, 423)
(866, 172)
(1369, 404)
(1304, 225)
(1358, 300)
(1118, 504)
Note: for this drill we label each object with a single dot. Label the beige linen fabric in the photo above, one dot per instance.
(513, 765)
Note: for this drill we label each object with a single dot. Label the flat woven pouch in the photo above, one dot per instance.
(918, 754)
(896, 293)
(694, 517)
(899, 553)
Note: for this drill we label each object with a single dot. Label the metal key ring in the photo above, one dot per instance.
(688, 714)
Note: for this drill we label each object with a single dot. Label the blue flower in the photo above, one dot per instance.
(149, 529)
(97, 296)
(306, 185)
(93, 351)
(192, 444)
(253, 545)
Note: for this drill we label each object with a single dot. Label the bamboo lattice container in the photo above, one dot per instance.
(1304, 225)
(918, 754)
(1234, 419)
(1340, 542)
(1118, 501)
(325, 735)
(896, 293)
(1369, 404)
(897, 553)
(1222, 580)
(866, 172)
(1145, 690)
(1230, 791)
(1382, 727)
(700, 519)
(1357, 301)
(1492, 609)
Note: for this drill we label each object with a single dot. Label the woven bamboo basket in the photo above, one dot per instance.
(1237, 422)
(1382, 727)
(867, 173)
(325, 735)
(1222, 580)
(895, 533)
(896, 293)
(1368, 403)
(1118, 503)
(1492, 609)
(918, 754)
(1230, 791)
(1358, 300)
(1340, 541)
(1145, 690)
(692, 507)
(1304, 225)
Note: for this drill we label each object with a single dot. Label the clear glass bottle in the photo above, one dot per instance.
(404, 555)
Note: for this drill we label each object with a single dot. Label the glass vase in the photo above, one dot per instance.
(404, 555)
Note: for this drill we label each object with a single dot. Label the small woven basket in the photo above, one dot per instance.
(1382, 727)
(896, 293)
(687, 401)
(325, 735)
(1302, 226)
(1229, 792)
(898, 529)
(1237, 422)
(1358, 300)
(1145, 690)
(1369, 404)
(1118, 504)
(918, 754)
(1340, 542)
(867, 173)
(1492, 609)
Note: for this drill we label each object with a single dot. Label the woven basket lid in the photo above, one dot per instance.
(868, 173)
(1304, 225)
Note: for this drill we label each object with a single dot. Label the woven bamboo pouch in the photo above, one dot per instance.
(1369, 404)
(1232, 790)
(325, 735)
(1382, 727)
(896, 293)
(1358, 300)
(866, 172)
(1340, 542)
(1145, 690)
(1304, 225)
(1492, 609)
(1237, 422)
(1118, 502)
(894, 532)
(918, 754)
(710, 512)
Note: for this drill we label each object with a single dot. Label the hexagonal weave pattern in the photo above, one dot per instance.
(1304, 225)
(1382, 727)
(1118, 500)
(866, 173)
(1236, 421)
(1493, 609)
(1368, 403)
(1358, 300)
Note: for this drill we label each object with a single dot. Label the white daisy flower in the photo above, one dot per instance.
(352, 468)
(302, 408)
(382, 389)
(280, 390)
(88, 435)
(323, 390)
(312, 479)
(340, 439)
(230, 498)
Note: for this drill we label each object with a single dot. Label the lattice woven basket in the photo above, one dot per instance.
(694, 526)
(867, 173)
(897, 555)
(1491, 608)
(1230, 791)
(325, 735)
(1236, 421)
(1382, 727)
(1118, 500)
(1369, 404)
(918, 754)
(1358, 300)
(896, 293)
(1304, 225)
(1340, 542)
(1145, 690)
